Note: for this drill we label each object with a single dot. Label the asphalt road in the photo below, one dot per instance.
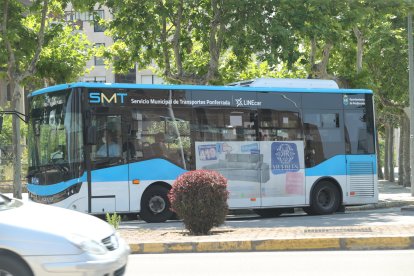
(309, 263)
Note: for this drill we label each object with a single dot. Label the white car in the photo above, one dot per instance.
(41, 240)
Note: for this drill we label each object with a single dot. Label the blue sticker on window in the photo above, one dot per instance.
(285, 158)
(250, 147)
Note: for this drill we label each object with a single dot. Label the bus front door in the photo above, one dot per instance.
(109, 190)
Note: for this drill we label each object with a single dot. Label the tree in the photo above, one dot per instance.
(190, 41)
(29, 36)
(388, 77)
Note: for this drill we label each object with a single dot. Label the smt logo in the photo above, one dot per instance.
(285, 157)
(99, 97)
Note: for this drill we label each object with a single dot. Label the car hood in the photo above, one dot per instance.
(55, 220)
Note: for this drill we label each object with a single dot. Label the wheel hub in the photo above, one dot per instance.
(325, 198)
(157, 204)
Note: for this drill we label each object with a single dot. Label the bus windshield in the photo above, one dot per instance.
(55, 138)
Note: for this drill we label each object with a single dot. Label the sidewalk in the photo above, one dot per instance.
(384, 225)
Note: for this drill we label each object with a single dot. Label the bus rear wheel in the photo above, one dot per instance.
(325, 199)
(155, 206)
(269, 212)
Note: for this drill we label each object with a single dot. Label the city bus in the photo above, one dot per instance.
(281, 144)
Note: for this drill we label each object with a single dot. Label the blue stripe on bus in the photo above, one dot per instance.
(195, 87)
(111, 174)
(333, 166)
(337, 165)
(156, 169)
(47, 190)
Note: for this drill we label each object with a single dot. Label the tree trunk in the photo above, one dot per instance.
(216, 38)
(401, 149)
(379, 162)
(360, 48)
(320, 69)
(17, 148)
(405, 166)
(391, 153)
(386, 153)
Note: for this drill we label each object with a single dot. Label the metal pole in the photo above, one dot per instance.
(411, 94)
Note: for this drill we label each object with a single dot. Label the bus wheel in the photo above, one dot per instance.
(155, 206)
(325, 199)
(268, 213)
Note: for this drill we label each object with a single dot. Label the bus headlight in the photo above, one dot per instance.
(88, 245)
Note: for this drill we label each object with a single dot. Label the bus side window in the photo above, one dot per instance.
(324, 138)
(313, 146)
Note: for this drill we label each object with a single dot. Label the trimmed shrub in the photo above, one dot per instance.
(199, 198)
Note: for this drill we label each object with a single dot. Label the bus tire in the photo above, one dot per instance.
(155, 206)
(325, 199)
(10, 265)
(269, 212)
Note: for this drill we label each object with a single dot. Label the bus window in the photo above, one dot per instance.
(161, 133)
(279, 125)
(109, 149)
(323, 136)
(225, 125)
(359, 138)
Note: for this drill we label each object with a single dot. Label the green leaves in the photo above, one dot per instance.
(64, 57)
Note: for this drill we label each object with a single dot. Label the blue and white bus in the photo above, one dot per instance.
(102, 148)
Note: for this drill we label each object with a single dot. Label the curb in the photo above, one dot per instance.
(351, 243)
(289, 244)
(380, 205)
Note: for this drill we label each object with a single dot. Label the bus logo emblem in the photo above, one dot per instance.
(346, 100)
(99, 97)
(239, 102)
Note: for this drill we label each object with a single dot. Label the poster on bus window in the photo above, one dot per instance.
(256, 168)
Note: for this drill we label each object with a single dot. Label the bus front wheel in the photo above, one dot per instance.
(325, 199)
(155, 206)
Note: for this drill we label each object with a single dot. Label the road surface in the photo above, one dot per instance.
(309, 263)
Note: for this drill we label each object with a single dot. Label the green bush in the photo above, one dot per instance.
(199, 198)
(113, 219)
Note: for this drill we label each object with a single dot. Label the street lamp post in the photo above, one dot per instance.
(411, 94)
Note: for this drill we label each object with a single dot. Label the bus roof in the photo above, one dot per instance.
(199, 87)
(287, 83)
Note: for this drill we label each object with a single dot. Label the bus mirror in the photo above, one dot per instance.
(91, 136)
(1, 123)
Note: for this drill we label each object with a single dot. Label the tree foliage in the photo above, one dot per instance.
(33, 46)
(189, 41)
